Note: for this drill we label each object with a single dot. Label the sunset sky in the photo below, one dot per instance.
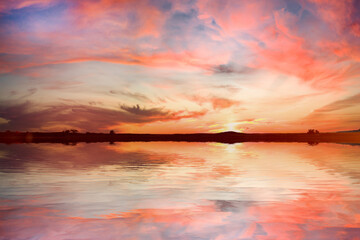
(161, 66)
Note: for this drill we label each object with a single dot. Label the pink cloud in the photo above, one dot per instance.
(281, 44)
(6, 6)
(102, 31)
(316, 44)
(305, 217)
(233, 16)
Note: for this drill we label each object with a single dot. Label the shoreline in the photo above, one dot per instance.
(224, 137)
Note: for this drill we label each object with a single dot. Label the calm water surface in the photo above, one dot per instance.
(179, 191)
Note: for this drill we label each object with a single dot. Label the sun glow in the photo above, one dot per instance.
(232, 126)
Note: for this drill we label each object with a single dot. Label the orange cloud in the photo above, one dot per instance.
(217, 103)
(338, 115)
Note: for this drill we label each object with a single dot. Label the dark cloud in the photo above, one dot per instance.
(293, 6)
(355, 19)
(58, 85)
(137, 96)
(24, 117)
(223, 68)
(178, 27)
(183, 30)
(67, 100)
(91, 118)
(163, 5)
(230, 68)
(137, 110)
(29, 92)
(94, 103)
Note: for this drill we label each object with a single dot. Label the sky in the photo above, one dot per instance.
(160, 66)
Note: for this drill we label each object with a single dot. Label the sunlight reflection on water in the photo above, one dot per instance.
(165, 190)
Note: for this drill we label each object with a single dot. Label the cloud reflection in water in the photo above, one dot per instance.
(179, 191)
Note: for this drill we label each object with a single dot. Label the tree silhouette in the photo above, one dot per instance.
(313, 131)
(70, 131)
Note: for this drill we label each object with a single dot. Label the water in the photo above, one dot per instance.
(164, 190)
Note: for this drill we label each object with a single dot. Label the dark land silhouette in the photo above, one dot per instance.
(73, 136)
